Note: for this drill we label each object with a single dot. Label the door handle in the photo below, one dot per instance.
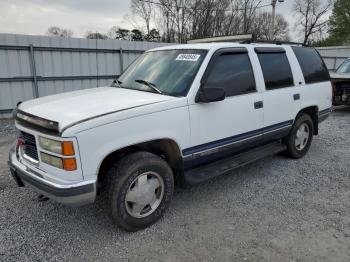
(258, 105)
(296, 96)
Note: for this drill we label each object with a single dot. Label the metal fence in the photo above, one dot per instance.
(334, 56)
(35, 66)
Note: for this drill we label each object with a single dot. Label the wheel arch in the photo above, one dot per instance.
(313, 112)
(166, 148)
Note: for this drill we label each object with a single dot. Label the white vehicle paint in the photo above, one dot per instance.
(103, 120)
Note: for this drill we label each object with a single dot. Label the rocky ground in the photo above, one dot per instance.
(276, 209)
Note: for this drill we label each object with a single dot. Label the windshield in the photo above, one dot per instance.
(169, 72)
(344, 67)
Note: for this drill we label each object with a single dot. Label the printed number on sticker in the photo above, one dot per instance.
(188, 57)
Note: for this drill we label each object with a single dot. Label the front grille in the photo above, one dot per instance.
(29, 145)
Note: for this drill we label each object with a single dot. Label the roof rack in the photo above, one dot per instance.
(229, 38)
(242, 39)
(276, 42)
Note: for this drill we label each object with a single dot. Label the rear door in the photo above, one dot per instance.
(282, 91)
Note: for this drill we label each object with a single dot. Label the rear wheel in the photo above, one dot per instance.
(138, 190)
(299, 139)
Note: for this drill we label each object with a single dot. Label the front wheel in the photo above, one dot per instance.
(138, 189)
(299, 139)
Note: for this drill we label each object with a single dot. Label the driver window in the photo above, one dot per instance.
(233, 72)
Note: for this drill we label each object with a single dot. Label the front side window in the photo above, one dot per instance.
(344, 68)
(276, 69)
(312, 65)
(233, 72)
(169, 72)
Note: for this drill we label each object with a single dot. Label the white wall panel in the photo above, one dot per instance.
(334, 56)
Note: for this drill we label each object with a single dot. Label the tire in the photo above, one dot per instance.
(297, 147)
(132, 182)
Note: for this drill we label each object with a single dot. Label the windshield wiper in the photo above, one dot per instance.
(149, 84)
(117, 83)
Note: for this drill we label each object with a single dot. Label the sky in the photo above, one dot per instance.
(36, 16)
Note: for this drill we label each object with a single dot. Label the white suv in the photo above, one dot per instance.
(178, 114)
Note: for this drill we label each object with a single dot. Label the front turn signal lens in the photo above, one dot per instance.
(68, 148)
(69, 164)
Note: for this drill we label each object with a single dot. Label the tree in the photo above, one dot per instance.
(248, 14)
(144, 10)
(176, 16)
(339, 23)
(119, 33)
(153, 36)
(95, 35)
(209, 18)
(262, 26)
(136, 35)
(311, 16)
(232, 25)
(181, 20)
(59, 32)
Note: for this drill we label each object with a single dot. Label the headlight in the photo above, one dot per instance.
(65, 148)
(50, 145)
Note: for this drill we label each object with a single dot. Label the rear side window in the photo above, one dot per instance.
(276, 69)
(311, 64)
(233, 72)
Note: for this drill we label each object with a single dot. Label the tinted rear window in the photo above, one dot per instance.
(311, 64)
(276, 70)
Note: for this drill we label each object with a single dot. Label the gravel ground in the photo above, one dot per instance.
(6, 127)
(276, 209)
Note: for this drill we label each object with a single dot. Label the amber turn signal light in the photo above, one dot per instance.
(69, 164)
(67, 148)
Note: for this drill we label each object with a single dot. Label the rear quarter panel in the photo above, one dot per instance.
(316, 94)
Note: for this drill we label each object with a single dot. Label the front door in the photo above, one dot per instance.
(223, 128)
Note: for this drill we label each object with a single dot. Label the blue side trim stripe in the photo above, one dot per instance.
(277, 126)
(325, 111)
(236, 138)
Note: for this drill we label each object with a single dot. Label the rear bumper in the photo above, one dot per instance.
(76, 194)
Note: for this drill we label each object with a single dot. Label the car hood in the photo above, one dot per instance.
(73, 107)
(335, 75)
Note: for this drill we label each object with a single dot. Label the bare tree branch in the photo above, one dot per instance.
(312, 17)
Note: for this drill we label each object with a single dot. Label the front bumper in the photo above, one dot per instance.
(76, 194)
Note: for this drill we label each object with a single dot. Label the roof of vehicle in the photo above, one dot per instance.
(214, 45)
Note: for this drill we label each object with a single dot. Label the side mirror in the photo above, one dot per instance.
(210, 94)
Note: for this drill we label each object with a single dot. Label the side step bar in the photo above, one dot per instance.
(203, 173)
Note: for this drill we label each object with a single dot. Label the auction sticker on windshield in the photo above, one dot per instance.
(188, 57)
